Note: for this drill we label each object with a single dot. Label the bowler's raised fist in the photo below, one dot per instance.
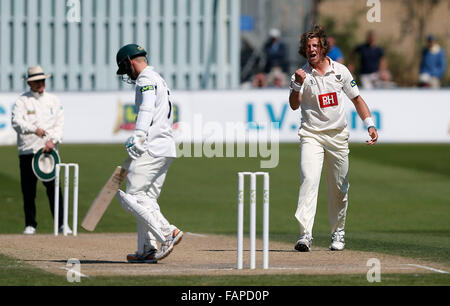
(300, 76)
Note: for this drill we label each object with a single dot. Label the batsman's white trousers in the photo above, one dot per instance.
(146, 176)
(315, 148)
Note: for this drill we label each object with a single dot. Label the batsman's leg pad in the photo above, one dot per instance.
(146, 240)
(152, 205)
(141, 213)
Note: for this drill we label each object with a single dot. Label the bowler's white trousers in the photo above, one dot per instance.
(315, 148)
(146, 176)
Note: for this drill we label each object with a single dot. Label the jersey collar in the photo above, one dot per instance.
(331, 68)
(148, 68)
(37, 95)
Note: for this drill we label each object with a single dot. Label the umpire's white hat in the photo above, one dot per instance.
(36, 73)
(44, 165)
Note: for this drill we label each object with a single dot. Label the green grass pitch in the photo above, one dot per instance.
(399, 203)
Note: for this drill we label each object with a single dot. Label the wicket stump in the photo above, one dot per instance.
(66, 199)
(240, 226)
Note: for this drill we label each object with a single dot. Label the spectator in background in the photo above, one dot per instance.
(275, 52)
(259, 80)
(384, 80)
(433, 64)
(335, 53)
(276, 78)
(372, 61)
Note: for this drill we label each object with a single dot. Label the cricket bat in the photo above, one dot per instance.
(105, 196)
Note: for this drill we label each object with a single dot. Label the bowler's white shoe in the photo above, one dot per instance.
(61, 230)
(29, 230)
(337, 241)
(303, 243)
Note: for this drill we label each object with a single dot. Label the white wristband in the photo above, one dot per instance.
(368, 122)
(296, 86)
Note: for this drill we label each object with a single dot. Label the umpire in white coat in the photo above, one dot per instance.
(38, 119)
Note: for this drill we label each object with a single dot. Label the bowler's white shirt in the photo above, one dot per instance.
(322, 106)
(31, 111)
(160, 141)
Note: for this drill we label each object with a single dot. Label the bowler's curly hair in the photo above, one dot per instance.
(317, 32)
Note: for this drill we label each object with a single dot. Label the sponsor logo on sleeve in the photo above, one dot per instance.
(327, 100)
(353, 83)
(147, 88)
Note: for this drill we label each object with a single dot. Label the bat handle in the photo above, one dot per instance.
(126, 163)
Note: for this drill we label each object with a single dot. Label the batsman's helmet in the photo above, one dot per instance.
(125, 54)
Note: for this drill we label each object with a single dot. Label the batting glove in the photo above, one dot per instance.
(135, 144)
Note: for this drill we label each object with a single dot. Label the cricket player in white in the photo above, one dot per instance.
(152, 150)
(318, 88)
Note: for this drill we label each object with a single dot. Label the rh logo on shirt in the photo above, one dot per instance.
(327, 100)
